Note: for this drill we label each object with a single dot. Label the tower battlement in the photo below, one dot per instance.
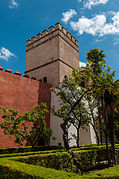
(51, 33)
(52, 55)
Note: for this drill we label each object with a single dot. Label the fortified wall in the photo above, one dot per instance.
(22, 94)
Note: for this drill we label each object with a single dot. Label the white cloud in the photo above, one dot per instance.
(13, 4)
(97, 25)
(68, 15)
(90, 3)
(82, 64)
(5, 54)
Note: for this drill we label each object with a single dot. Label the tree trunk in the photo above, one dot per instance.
(65, 134)
(109, 117)
(77, 140)
(96, 135)
(111, 135)
(101, 114)
(100, 128)
(107, 148)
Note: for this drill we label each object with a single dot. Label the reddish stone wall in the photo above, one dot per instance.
(22, 94)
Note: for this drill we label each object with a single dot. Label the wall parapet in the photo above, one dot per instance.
(19, 74)
(40, 37)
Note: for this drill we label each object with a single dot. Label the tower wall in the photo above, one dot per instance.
(50, 51)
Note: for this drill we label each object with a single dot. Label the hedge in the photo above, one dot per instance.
(20, 165)
(30, 153)
(87, 159)
(28, 149)
(15, 170)
(43, 148)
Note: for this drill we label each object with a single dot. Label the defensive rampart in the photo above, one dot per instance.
(22, 94)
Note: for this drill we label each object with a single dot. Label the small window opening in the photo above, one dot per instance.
(45, 79)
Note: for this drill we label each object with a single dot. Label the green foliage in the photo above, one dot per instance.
(112, 172)
(88, 159)
(18, 166)
(30, 126)
(99, 72)
(15, 170)
(72, 107)
(29, 149)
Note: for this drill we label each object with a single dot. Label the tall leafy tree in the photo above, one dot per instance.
(96, 80)
(102, 89)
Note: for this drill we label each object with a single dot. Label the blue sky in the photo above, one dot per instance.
(95, 23)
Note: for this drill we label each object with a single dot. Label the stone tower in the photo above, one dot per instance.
(52, 55)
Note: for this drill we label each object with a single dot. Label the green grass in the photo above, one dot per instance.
(112, 172)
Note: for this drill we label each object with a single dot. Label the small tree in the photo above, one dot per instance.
(30, 127)
(72, 108)
(93, 115)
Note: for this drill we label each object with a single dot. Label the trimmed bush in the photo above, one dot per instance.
(15, 170)
(87, 159)
(28, 149)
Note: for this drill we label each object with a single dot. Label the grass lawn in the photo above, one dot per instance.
(112, 172)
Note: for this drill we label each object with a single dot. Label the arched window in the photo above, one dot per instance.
(45, 79)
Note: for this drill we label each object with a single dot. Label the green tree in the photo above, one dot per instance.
(72, 108)
(30, 127)
(96, 80)
(102, 89)
(93, 114)
(116, 109)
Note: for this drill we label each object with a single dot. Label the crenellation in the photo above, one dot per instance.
(33, 39)
(68, 34)
(1, 68)
(72, 38)
(45, 32)
(17, 73)
(58, 26)
(8, 70)
(48, 34)
(51, 28)
(39, 35)
(64, 30)
(28, 41)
